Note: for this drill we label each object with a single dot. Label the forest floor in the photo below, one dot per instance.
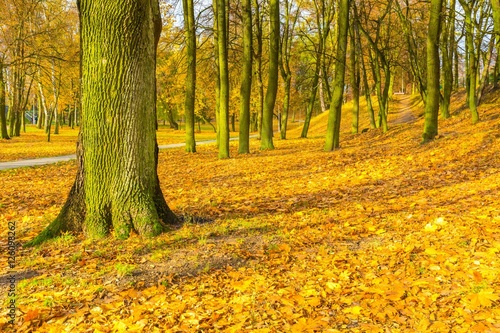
(382, 235)
(34, 144)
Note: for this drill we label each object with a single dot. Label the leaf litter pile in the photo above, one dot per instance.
(383, 235)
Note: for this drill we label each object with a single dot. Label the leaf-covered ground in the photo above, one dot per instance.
(33, 143)
(383, 235)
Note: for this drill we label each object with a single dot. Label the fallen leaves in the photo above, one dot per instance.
(382, 235)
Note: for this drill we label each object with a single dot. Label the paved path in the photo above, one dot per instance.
(56, 159)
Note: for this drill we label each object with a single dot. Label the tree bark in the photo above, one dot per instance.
(189, 103)
(117, 186)
(258, 57)
(334, 117)
(223, 122)
(3, 119)
(286, 73)
(355, 79)
(272, 84)
(432, 103)
(472, 63)
(246, 80)
(447, 47)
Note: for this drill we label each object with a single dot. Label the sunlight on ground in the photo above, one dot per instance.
(382, 235)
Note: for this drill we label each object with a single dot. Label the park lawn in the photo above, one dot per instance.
(383, 234)
(34, 144)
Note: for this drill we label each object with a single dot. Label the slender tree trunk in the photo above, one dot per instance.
(456, 83)
(246, 80)
(485, 75)
(41, 114)
(285, 70)
(3, 119)
(471, 55)
(432, 103)
(312, 98)
(170, 116)
(286, 107)
(334, 117)
(217, 71)
(189, 103)
(355, 80)
(371, 112)
(272, 85)
(321, 92)
(447, 45)
(224, 80)
(258, 57)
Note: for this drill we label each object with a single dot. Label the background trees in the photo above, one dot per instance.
(39, 52)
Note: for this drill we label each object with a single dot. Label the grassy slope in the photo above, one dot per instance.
(381, 235)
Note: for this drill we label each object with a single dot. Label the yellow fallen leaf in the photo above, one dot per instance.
(353, 309)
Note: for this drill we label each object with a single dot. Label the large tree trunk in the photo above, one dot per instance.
(246, 80)
(189, 26)
(334, 117)
(117, 185)
(432, 103)
(272, 83)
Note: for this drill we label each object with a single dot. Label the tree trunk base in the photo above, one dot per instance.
(146, 219)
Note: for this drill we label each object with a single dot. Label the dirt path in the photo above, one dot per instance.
(402, 110)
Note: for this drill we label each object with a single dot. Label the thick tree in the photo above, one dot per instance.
(333, 129)
(432, 102)
(189, 26)
(272, 84)
(117, 186)
(246, 80)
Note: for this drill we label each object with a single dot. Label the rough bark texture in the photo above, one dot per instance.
(117, 186)
(272, 83)
(189, 26)
(333, 129)
(432, 102)
(246, 80)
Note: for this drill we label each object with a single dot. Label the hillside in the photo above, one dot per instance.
(382, 235)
